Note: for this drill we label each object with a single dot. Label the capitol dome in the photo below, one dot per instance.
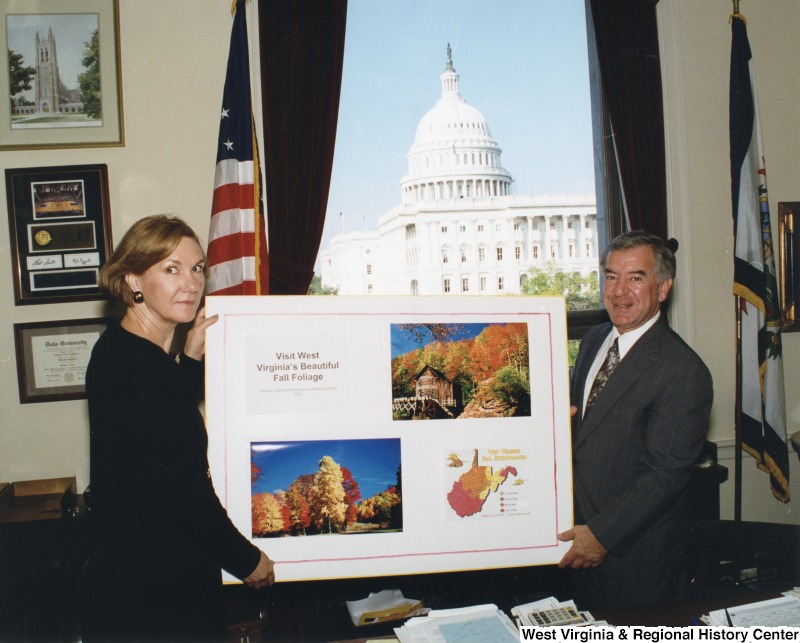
(453, 155)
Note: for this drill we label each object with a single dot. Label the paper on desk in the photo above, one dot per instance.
(775, 612)
(386, 605)
(475, 624)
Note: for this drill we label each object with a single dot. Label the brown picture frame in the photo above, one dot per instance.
(789, 273)
(80, 38)
(52, 358)
(60, 232)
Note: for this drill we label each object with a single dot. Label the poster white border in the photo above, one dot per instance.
(347, 340)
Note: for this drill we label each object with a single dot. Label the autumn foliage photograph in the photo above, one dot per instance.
(324, 487)
(450, 371)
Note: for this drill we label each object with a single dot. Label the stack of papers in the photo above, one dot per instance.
(379, 607)
(463, 625)
(776, 612)
(550, 612)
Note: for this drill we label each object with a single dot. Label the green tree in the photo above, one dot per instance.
(512, 387)
(89, 81)
(385, 502)
(20, 77)
(581, 293)
(396, 519)
(316, 287)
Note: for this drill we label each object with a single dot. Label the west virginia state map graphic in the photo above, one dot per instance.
(492, 491)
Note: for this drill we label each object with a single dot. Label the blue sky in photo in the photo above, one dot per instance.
(405, 341)
(522, 63)
(373, 463)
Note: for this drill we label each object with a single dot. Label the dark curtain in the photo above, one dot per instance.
(302, 48)
(626, 35)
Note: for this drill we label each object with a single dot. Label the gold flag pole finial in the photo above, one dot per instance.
(736, 13)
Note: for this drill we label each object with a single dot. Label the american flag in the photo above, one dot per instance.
(237, 240)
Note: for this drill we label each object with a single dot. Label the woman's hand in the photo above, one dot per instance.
(263, 575)
(195, 346)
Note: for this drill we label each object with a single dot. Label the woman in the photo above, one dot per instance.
(160, 534)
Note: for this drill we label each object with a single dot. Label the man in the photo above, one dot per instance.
(634, 443)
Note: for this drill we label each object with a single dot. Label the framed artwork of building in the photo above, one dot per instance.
(60, 86)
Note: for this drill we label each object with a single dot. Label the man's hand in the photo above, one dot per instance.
(586, 551)
(263, 575)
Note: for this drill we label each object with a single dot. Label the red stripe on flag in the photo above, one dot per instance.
(232, 196)
(244, 288)
(232, 246)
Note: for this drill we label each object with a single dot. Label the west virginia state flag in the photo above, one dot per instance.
(763, 414)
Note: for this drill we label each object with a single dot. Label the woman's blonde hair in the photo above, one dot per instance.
(147, 242)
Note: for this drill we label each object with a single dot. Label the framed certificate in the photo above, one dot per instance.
(60, 232)
(52, 358)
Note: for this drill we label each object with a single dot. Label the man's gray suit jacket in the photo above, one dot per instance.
(634, 451)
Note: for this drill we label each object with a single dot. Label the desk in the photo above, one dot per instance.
(681, 614)
(306, 612)
(672, 615)
(317, 613)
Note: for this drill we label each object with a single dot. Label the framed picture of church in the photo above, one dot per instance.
(61, 84)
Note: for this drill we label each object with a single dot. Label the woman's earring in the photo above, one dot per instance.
(138, 297)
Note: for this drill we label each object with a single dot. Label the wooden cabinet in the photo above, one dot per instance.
(36, 541)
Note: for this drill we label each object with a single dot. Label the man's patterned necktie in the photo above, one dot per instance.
(609, 365)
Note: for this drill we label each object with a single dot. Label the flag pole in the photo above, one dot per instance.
(737, 466)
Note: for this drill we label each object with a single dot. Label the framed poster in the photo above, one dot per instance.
(52, 358)
(61, 84)
(60, 232)
(372, 436)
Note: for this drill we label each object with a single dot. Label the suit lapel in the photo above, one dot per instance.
(633, 367)
(595, 341)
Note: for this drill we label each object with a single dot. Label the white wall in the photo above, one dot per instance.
(695, 40)
(173, 56)
(173, 66)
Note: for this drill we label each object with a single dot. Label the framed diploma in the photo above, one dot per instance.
(60, 232)
(52, 358)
